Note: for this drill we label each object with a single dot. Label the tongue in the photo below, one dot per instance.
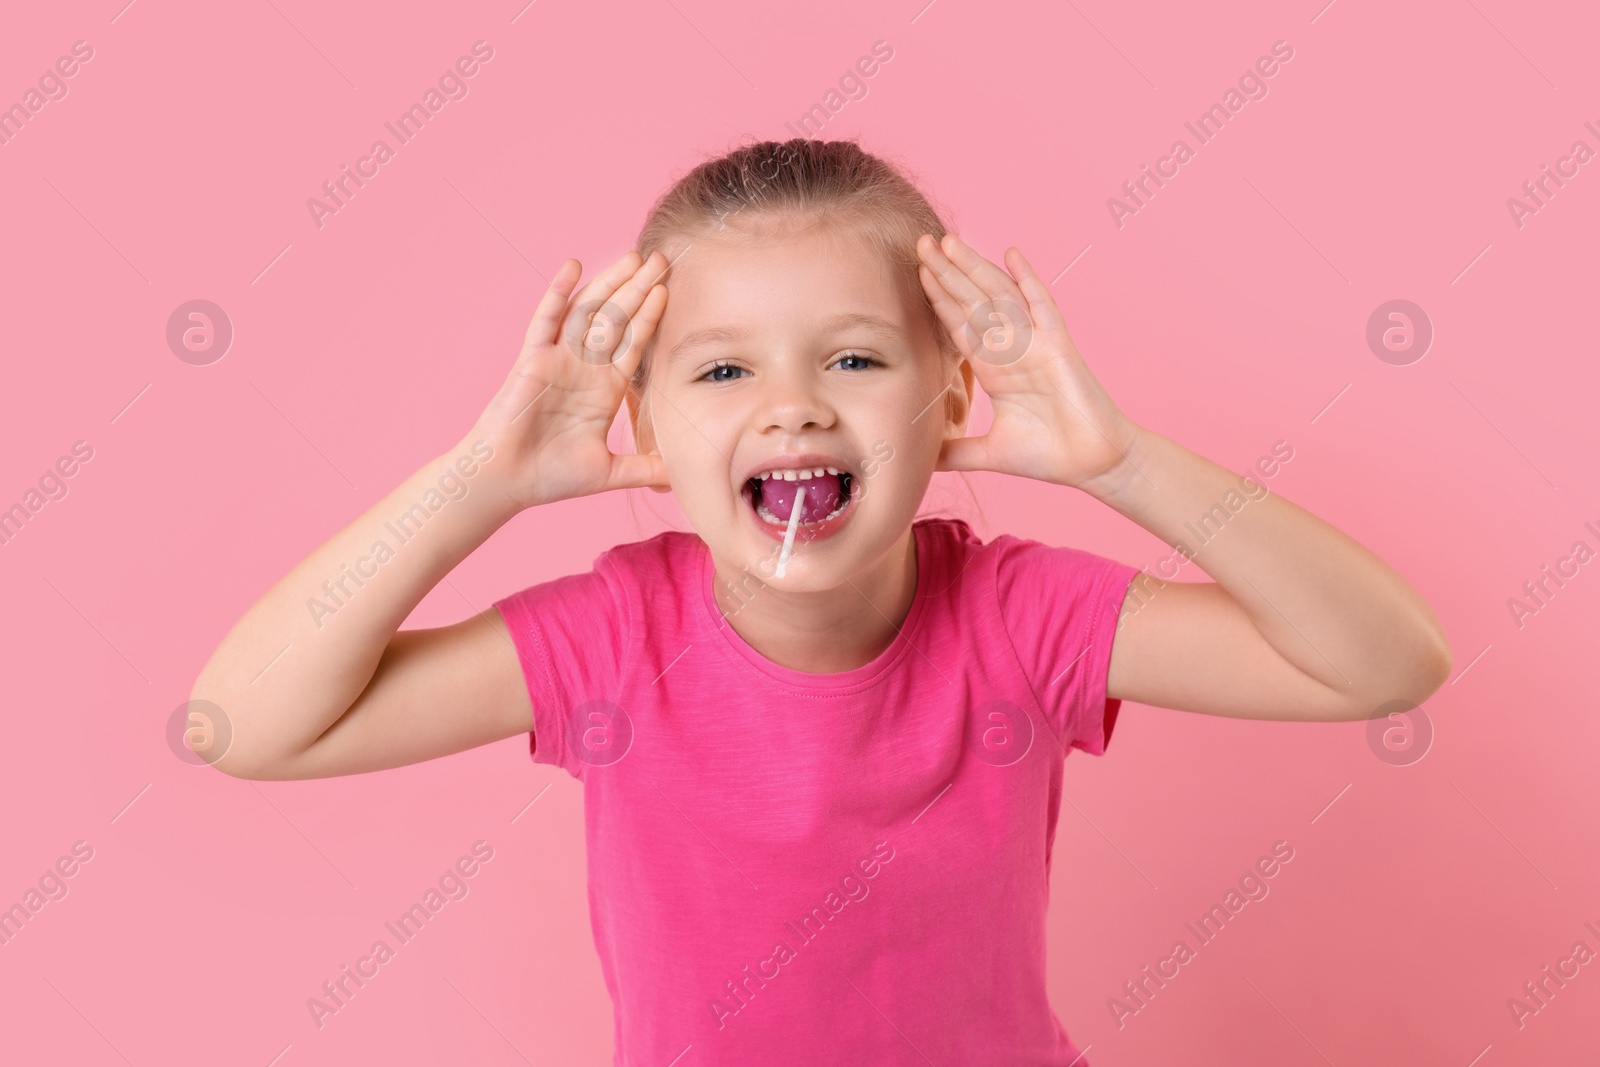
(822, 496)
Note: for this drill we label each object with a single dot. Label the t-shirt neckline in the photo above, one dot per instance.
(836, 680)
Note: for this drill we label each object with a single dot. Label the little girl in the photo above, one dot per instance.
(821, 740)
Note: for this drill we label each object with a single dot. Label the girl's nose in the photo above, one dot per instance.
(794, 400)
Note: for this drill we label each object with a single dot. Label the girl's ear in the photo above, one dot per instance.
(958, 401)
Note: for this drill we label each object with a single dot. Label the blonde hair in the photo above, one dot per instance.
(771, 184)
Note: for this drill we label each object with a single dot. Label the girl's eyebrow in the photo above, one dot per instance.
(847, 320)
(702, 338)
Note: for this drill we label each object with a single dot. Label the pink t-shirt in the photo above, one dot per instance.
(848, 868)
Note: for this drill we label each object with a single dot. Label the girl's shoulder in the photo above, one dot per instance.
(673, 552)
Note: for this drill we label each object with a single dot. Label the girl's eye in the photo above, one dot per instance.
(862, 362)
(712, 374)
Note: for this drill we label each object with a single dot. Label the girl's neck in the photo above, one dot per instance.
(828, 632)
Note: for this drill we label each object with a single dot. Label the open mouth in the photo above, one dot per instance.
(828, 493)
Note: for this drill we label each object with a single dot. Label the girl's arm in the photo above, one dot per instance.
(317, 679)
(1302, 623)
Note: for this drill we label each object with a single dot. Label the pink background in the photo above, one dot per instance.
(1228, 314)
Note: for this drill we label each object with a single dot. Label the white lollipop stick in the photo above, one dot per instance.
(788, 536)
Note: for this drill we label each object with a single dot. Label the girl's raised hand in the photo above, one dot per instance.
(548, 423)
(1052, 419)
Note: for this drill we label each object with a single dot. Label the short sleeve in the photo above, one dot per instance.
(1060, 608)
(570, 634)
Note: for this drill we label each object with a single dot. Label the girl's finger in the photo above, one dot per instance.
(642, 321)
(951, 316)
(959, 322)
(952, 277)
(637, 285)
(633, 470)
(640, 285)
(950, 313)
(1041, 305)
(552, 306)
(600, 327)
(608, 281)
(983, 308)
(995, 283)
(620, 342)
(963, 454)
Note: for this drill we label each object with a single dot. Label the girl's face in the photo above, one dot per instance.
(798, 351)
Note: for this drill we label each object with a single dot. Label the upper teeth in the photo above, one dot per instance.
(797, 475)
